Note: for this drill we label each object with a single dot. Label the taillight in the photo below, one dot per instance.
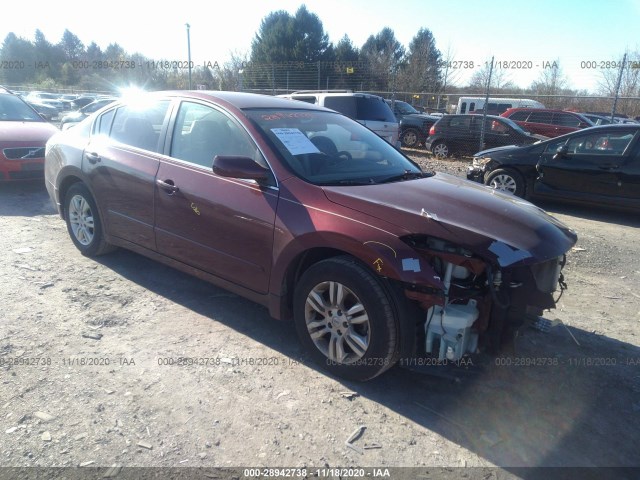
(432, 130)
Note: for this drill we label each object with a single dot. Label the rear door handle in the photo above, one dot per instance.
(93, 157)
(167, 185)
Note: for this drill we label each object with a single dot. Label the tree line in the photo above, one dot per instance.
(288, 52)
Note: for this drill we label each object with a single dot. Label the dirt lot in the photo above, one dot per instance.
(89, 374)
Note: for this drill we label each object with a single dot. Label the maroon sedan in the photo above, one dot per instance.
(23, 135)
(311, 214)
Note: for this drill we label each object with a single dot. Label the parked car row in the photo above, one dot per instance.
(461, 134)
(73, 118)
(54, 106)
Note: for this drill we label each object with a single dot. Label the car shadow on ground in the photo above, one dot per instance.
(565, 398)
(27, 198)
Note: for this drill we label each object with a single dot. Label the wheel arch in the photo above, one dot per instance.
(64, 187)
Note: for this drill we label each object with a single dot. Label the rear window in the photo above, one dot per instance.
(361, 108)
(375, 109)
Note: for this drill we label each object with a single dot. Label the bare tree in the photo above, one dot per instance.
(231, 75)
(629, 85)
(499, 80)
(552, 81)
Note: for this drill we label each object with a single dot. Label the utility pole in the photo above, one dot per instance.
(615, 100)
(486, 106)
(189, 51)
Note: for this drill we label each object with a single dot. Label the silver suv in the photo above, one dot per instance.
(370, 110)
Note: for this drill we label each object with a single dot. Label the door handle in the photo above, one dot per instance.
(93, 157)
(167, 186)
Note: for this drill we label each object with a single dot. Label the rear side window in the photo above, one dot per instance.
(344, 105)
(519, 116)
(140, 127)
(540, 117)
(374, 109)
(104, 123)
(566, 120)
(460, 122)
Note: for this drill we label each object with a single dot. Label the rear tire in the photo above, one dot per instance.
(410, 138)
(441, 150)
(83, 222)
(345, 319)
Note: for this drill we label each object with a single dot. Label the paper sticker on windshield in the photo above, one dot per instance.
(296, 142)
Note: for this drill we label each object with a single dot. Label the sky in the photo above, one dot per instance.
(579, 34)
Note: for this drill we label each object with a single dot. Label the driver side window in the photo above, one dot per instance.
(552, 147)
(202, 132)
(600, 143)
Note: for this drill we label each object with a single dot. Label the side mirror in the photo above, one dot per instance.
(561, 152)
(239, 167)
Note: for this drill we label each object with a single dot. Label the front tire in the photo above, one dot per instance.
(345, 319)
(506, 180)
(83, 222)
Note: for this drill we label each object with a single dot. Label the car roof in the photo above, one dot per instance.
(597, 128)
(474, 115)
(531, 109)
(242, 100)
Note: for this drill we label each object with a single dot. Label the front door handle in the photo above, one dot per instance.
(93, 157)
(167, 186)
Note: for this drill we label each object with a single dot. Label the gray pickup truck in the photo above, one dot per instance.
(414, 126)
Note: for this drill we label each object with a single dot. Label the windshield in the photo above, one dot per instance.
(12, 109)
(404, 108)
(515, 126)
(327, 148)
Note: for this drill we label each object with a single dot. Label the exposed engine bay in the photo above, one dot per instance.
(482, 305)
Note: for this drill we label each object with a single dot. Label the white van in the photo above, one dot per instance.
(370, 110)
(496, 106)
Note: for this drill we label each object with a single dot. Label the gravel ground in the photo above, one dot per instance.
(86, 373)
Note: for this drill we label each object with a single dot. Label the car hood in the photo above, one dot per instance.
(503, 149)
(497, 226)
(26, 132)
(421, 116)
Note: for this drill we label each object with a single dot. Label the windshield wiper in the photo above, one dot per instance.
(367, 181)
(407, 175)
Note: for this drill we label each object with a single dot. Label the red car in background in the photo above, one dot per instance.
(23, 136)
(547, 122)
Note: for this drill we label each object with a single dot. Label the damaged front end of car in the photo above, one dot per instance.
(486, 297)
